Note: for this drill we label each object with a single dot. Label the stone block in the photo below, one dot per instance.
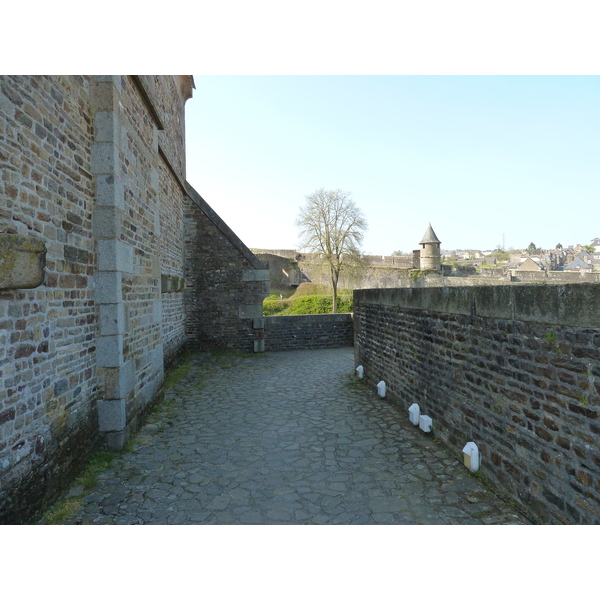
(251, 311)
(111, 415)
(154, 183)
(105, 158)
(112, 319)
(255, 275)
(110, 191)
(157, 311)
(114, 79)
(106, 222)
(156, 266)
(115, 440)
(22, 261)
(106, 127)
(108, 287)
(104, 93)
(115, 255)
(109, 351)
(157, 359)
(119, 381)
(259, 346)
(258, 323)
(166, 284)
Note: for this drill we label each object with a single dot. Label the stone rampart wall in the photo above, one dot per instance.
(93, 195)
(172, 202)
(515, 369)
(226, 283)
(48, 383)
(306, 332)
(556, 276)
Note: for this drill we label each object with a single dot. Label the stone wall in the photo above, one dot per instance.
(48, 378)
(515, 369)
(283, 272)
(94, 200)
(307, 332)
(555, 276)
(226, 283)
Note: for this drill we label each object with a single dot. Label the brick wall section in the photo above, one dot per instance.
(93, 167)
(226, 283)
(307, 332)
(48, 386)
(140, 230)
(515, 369)
(172, 257)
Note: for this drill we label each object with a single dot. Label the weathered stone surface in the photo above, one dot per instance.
(86, 172)
(301, 332)
(22, 261)
(508, 368)
(223, 296)
(236, 451)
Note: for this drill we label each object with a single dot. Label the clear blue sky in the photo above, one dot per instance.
(478, 156)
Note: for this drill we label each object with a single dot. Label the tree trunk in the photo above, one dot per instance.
(334, 284)
(334, 309)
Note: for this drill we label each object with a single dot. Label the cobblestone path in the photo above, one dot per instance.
(285, 438)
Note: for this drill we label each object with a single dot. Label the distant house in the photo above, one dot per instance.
(578, 264)
(530, 265)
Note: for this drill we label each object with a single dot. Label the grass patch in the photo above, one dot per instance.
(307, 305)
(61, 512)
(177, 374)
(308, 299)
(97, 464)
(311, 289)
(354, 384)
(66, 508)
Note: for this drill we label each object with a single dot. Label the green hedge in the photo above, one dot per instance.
(306, 305)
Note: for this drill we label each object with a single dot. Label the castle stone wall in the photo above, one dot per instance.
(307, 332)
(515, 369)
(226, 283)
(48, 385)
(93, 195)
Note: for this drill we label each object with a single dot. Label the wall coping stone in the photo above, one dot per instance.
(575, 304)
(224, 228)
(307, 319)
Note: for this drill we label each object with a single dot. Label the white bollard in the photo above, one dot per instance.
(414, 413)
(381, 389)
(425, 423)
(471, 456)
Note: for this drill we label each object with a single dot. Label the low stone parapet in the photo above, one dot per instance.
(306, 332)
(514, 369)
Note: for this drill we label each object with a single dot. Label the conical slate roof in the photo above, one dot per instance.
(430, 237)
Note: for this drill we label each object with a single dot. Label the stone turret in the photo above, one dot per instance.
(430, 256)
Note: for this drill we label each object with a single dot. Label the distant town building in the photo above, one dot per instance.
(578, 264)
(529, 264)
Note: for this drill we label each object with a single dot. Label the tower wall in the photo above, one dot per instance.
(430, 258)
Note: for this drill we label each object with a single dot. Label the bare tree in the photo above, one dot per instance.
(332, 226)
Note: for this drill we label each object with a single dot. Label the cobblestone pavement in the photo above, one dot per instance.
(285, 438)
